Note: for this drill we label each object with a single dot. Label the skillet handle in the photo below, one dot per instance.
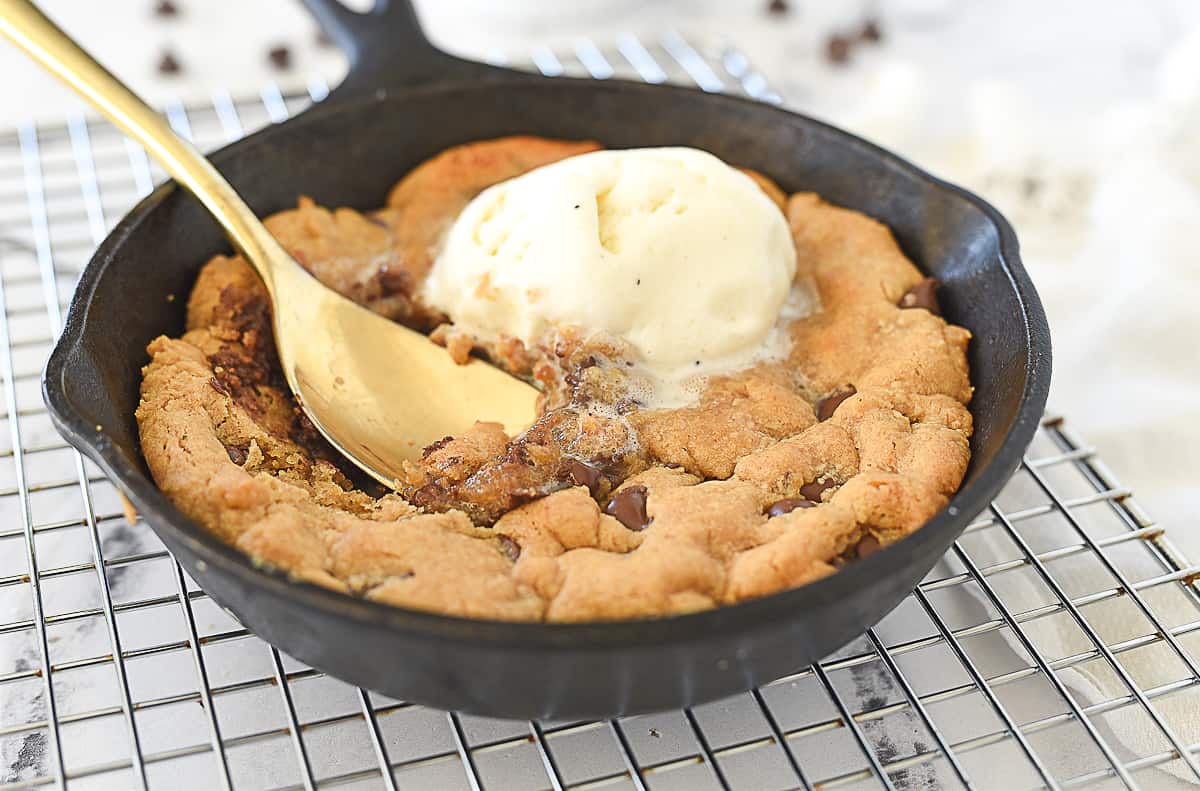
(388, 50)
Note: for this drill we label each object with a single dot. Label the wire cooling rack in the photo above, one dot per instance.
(116, 671)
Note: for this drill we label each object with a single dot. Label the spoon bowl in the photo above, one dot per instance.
(379, 391)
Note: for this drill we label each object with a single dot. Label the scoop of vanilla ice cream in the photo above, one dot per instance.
(669, 249)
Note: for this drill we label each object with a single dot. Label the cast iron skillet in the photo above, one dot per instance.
(405, 101)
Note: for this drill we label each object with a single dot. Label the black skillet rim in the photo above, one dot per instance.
(742, 617)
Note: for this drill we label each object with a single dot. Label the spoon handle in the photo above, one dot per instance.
(33, 32)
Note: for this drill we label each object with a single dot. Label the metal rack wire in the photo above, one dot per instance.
(116, 671)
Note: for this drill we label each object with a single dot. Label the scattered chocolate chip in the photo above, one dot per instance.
(837, 49)
(585, 475)
(779, 7)
(219, 386)
(165, 8)
(829, 404)
(629, 507)
(322, 38)
(434, 447)
(237, 454)
(510, 548)
(871, 32)
(814, 489)
(789, 504)
(923, 295)
(868, 545)
(167, 64)
(280, 57)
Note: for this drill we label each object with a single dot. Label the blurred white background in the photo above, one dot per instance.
(1076, 118)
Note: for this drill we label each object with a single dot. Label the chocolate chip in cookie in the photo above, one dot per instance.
(829, 404)
(923, 295)
(393, 281)
(510, 548)
(867, 545)
(629, 507)
(585, 475)
(238, 453)
(435, 446)
(789, 504)
(814, 489)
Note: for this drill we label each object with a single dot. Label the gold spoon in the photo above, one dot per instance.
(379, 392)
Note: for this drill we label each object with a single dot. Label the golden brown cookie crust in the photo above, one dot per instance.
(780, 474)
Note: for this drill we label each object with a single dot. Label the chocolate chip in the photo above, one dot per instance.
(167, 64)
(814, 489)
(585, 475)
(629, 507)
(923, 295)
(434, 447)
(789, 504)
(627, 405)
(219, 386)
(322, 38)
(868, 545)
(871, 32)
(777, 7)
(280, 57)
(519, 497)
(237, 454)
(837, 49)
(829, 404)
(393, 281)
(165, 8)
(510, 548)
